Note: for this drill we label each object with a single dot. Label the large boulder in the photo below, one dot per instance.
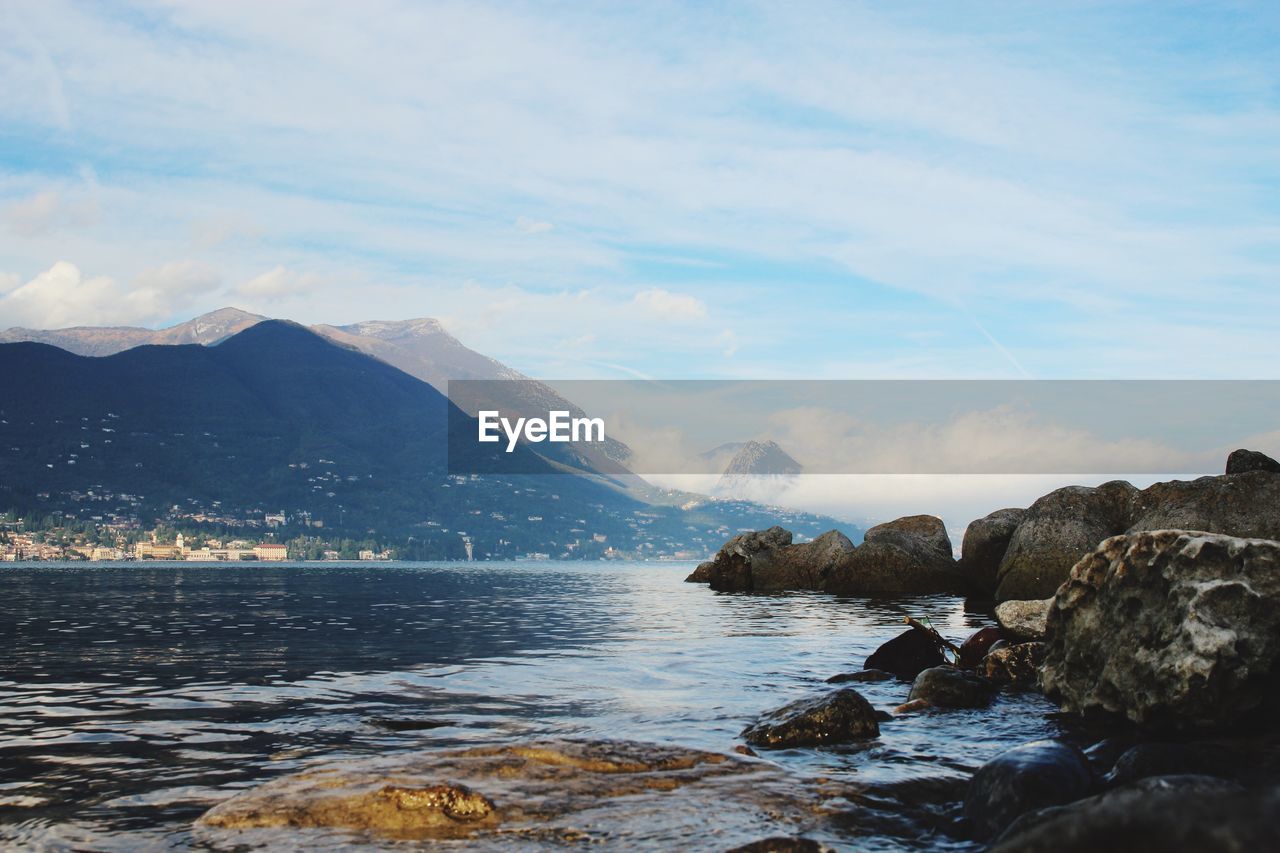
(1198, 813)
(837, 717)
(1024, 620)
(983, 548)
(1018, 663)
(1243, 460)
(549, 793)
(1023, 779)
(948, 687)
(1245, 504)
(730, 568)
(910, 555)
(1168, 628)
(906, 655)
(803, 565)
(1056, 531)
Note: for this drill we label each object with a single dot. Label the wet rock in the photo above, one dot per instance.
(1168, 628)
(1057, 530)
(837, 717)
(912, 707)
(1104, 754)
(948, 687)
(974, 649)
(906, 655)
(407, 724)
(1243, 460)
(782, 844)
(982, 550)
(1197, 813)
(865, 675)
(1024, 620)
(545, 790)
(1174, 759)
(1025, 778)
(730, 569)
(1013, 664)
(910, 555)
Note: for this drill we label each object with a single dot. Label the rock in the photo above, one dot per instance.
(912, 707)
(546, 792)
(1241, 505)
(837, 717)
(800, 566)
(782, 844)
(1197, 813)
(702, 574)
(1104, 754)
(906, 655)
(1025, 778)
(407, 724)
(910, 555)
(982, 550)
(974, 649)
(1024, 620)
(1013, 664)
(1168, 628)
(865, 675)
(1251, 460)
(948, 687)
(730, 568)
(1174, 759)
(1057, 530)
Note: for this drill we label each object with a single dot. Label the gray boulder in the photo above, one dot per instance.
(1024, 620)
(1023, 779)
(730, 568)
(910, 555)
(1057, 530)
(948, 687)
(799, 566)
(1251, 460)
(1168, 628)
(983, 548)
(1245, 504)
(837, 717)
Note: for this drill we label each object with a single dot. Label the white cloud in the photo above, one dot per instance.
(62, 296)
(533, 226)
(277, 283)
(680, 307)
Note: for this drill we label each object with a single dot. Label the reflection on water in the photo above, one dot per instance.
(133, 697)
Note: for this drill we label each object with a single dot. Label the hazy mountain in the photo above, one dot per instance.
(755, 461)
(107, 340)
(421, 348)
(277, 418)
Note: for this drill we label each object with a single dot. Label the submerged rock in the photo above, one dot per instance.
(837, 717)
(549, 790)
(1197, 813)
(1025, 778)
(1013, 664)
(948, 687)
(782, 844)
(983, 548)
(906, 655)
(864, 675)
(1168, 628)
(1024, 620)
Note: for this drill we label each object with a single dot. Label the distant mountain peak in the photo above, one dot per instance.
(756, 458)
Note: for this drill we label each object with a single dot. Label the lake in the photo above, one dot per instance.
(135, 696)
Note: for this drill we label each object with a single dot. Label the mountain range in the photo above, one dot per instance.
(275, 418)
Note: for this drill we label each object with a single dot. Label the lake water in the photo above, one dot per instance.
(133, 697)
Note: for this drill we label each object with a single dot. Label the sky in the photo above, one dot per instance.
(713, 190)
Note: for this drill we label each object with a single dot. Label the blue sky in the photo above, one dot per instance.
(678, 190)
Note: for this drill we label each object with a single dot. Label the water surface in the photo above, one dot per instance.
(133, 697)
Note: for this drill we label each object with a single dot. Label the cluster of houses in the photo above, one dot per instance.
(209, 553)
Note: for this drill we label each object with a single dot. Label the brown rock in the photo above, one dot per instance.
(984, 546)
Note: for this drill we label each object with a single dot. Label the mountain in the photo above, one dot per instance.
(755, 460)
(421, 348)
(277, 419)
(107, 340)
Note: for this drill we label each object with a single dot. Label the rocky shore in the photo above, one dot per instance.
(1150, 617)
